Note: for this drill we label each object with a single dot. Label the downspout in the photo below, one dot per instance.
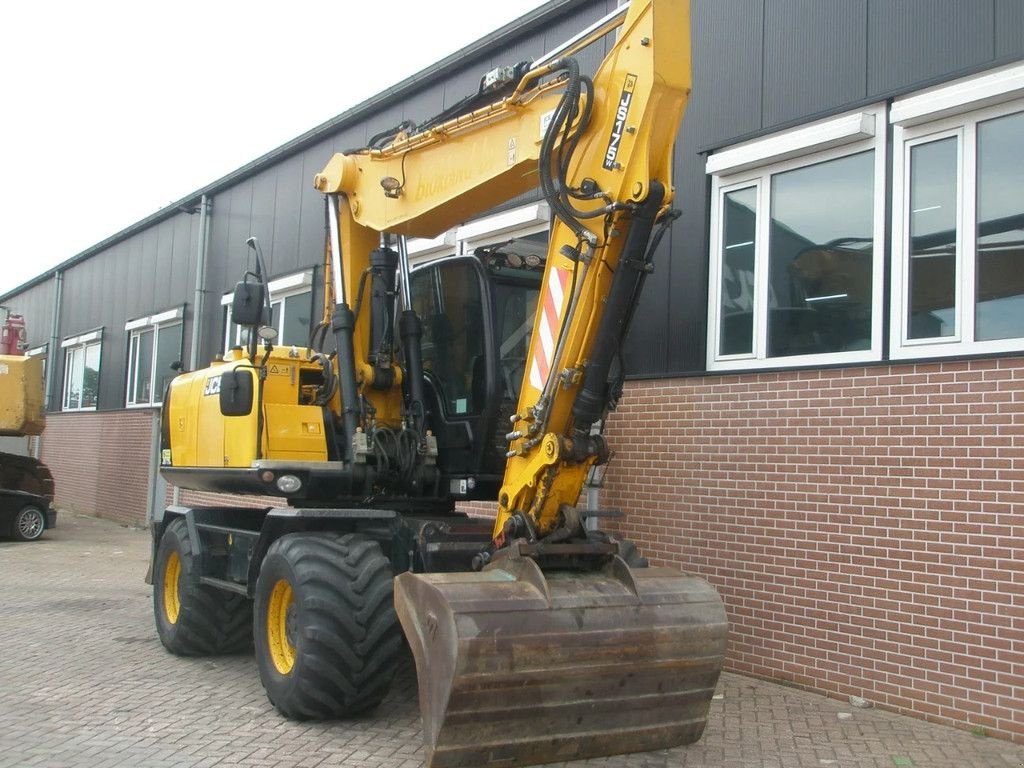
(58, 299)
(200, 293)
(36, 443)
(198, 299)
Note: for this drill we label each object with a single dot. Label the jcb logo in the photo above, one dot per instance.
(212, 386)
(611, 154)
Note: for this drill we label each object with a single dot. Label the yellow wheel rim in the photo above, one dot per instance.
(172, 575)
(279, 608)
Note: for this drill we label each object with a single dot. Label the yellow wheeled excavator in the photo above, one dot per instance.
(537, 637)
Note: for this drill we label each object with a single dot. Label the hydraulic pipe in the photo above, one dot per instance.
(343, 325)
(411, 330)
(629, 277)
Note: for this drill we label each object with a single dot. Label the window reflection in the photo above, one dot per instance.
(999, 313)
(820, 257)
(738, 275)
(933, 238)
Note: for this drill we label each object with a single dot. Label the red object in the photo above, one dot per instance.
(13, 336)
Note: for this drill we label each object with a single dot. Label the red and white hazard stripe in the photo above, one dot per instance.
(550, 320)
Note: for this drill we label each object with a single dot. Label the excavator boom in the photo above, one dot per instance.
(555, 649)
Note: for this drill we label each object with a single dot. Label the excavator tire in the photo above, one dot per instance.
(516, 666)
(194, 619)
(327, 638)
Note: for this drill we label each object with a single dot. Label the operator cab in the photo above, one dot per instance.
(477, 313)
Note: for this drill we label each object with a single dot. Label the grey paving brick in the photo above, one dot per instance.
(84, 683)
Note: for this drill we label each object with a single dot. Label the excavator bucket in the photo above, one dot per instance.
(516, 667)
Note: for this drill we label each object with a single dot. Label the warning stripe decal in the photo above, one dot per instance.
(547, 333)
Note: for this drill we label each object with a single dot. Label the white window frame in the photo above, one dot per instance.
(752, 164)
(280, 288)
(954, 109)
(83, 342)
(152, 323)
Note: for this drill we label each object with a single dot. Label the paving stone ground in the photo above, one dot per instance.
(84, 682)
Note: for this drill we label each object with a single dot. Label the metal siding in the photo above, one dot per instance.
(687, 308)
(164, 289)
(36, 305)
(814, 56)
(915, 41)
(1009, 28)
(148, 298)
(311, 211)
(424, 105)
(727, 41)
(465, 82)
(261, 221)
(237, 255)
(287, 200)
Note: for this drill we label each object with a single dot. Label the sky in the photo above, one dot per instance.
(112, 110)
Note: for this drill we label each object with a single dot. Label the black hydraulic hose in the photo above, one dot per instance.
(343, 325)
(411, 329)
(625, 289)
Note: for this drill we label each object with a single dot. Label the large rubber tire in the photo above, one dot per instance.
(29, 523)
(326, 634)
(194, 619)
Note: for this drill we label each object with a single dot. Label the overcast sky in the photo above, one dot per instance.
(112, 110)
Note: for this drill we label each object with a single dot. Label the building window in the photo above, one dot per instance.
(291, 306)
(796, 246)
(81, 371)
(154, 344)
(958, 218)
(41, 353)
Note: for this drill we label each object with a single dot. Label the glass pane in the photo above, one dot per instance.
(275, 316)
(448, 302)
(295, 330)
(736, 313)
(999, 313)
(91, 376)
(820, 257)
(168, 350)
(143, 366)
(73, 378)
(933, 231)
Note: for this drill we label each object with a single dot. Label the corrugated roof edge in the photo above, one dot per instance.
(506, 34)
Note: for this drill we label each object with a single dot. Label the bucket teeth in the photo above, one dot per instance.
(518, 668)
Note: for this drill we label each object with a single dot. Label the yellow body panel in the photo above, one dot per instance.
(21, 396)
(200, 436)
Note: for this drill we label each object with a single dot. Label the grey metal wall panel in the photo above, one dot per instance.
(262, 222)
(727, 47)
(311, 211)
(424, 105)
(1009, 28)
(287, 203)
(36, 306)
(915, 41)
(815, 57)
(687, 309)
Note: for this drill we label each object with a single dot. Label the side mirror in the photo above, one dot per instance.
(248, 305)
(236, 392)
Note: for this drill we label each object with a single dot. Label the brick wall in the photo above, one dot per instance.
(100, 462)
(865, 527)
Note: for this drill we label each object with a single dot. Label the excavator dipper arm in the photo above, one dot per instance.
(557, 649)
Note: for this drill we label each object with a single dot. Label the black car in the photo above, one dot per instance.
(24, 516)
